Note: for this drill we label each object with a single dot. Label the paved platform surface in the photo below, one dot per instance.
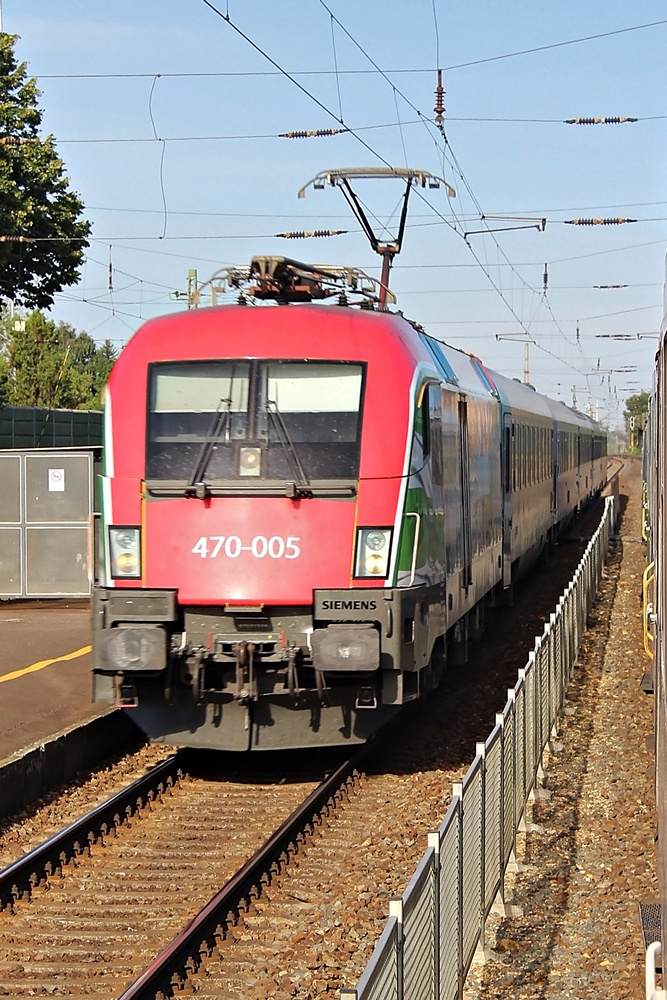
(45, 666)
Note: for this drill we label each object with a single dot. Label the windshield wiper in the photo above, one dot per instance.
(300, 487)
(196, 486)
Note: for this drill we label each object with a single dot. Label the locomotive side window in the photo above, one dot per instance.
(218, 421)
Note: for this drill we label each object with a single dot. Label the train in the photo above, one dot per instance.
(654, 466)
(307, 508)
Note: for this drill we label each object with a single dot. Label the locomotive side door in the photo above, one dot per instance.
(507, 498)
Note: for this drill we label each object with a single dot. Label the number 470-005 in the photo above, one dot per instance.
(231, 546)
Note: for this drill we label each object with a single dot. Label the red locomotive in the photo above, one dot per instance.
(303, 507)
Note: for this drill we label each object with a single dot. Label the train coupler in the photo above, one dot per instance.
(292, 675)
(246, 681)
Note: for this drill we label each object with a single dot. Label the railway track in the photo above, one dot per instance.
(87, 910)
(300, 920)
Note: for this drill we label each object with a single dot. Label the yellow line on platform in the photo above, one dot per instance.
(44, 663)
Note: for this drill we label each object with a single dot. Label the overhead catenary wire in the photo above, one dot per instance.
(162, 155)
(335, 60)
(308, 133)
(20, 238)
(483, 266)
(486, 260)
(468, 188)
(321, 72)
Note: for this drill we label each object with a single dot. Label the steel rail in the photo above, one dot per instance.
(184, 954)
(20, 878)
(610, 475)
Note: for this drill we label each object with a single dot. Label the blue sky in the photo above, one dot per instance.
(168, 119)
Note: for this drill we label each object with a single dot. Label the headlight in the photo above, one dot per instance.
(250, 462)
(376, 540)
(372, 553)
(125, 553)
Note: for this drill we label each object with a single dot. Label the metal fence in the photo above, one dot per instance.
(433, 931)
(46, 510)
(37, 427)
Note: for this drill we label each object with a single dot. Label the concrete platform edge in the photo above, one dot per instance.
(27, 776)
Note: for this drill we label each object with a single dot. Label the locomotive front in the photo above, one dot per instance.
(254, 462)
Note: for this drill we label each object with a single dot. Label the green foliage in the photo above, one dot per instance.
(35, 200)
(636, 406)
(49, 364)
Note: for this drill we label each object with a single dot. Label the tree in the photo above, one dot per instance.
(636, 408)
(48, 364)
(42, 232)
(89, 359)
(101, 364)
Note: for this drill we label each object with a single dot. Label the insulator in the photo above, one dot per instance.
(11, 140)
(545, 277)
(609, 120)
(312, 133)
(597, 222)
(17, 239)
(301, 234)
(439, 100)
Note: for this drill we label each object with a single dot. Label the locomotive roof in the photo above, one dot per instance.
(287, 332)
(315, 331)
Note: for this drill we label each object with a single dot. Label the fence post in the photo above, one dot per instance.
(433, 840)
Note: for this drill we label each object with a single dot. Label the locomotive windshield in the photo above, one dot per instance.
(244, 421)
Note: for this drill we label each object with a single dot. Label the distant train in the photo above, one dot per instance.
(306, 509)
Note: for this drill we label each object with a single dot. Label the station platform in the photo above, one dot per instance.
(45, 671)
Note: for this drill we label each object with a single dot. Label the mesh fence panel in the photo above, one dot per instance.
(472, 860)
(531, 723)
(509, 825)
(542, 666)
(492, 816)
(519, 750)
(419, 930)
(558, 673)
(451, 976)
(380, 980)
